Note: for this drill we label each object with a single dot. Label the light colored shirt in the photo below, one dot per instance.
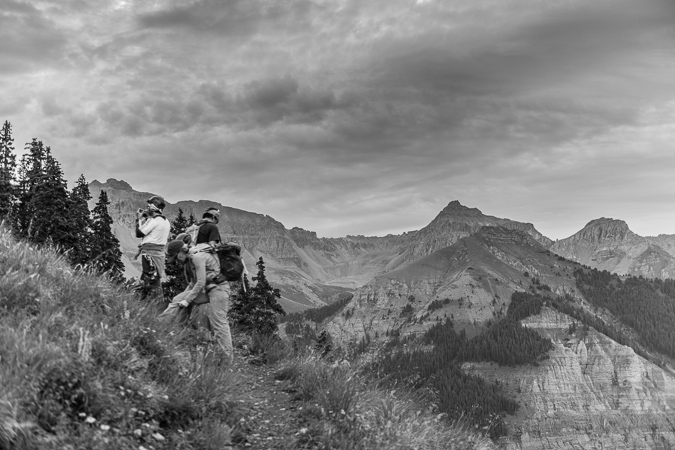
(156, 231)
(203, 265)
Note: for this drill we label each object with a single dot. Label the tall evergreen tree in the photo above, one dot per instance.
(7, 171)
(50, 203)
(179, 224)
(256, 309)
(80, 222)
(31, 174)
(106, 254)
(176, 281)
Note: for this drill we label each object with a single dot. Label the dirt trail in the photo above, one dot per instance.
(270, 420)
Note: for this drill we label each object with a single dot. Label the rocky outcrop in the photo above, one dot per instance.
(608, 244)
(590, 393)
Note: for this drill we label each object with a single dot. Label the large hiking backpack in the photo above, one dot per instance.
(231, 264)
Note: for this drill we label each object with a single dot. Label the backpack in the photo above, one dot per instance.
(231, 264)
(193, 232)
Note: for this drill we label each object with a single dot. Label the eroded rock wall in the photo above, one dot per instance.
(591, 393)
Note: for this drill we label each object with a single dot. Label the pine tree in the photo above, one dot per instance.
(7, 171)
(256, 309)
(31, 174)
(50, 203)
(106, 254)
(176, 281)
(80, 222)
(179, 224)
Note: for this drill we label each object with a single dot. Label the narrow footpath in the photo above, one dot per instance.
(270, 420)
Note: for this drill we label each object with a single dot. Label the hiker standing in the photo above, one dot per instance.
(201, 269)
(153, 229)
(206, 230)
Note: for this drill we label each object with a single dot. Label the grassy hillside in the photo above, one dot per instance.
(84, 364)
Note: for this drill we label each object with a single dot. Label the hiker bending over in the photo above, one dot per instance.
(153, 229)
(201, 268)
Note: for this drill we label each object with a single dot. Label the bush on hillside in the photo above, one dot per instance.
(255, 309)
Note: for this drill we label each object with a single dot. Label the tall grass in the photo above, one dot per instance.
(345, 411)
(83, 363)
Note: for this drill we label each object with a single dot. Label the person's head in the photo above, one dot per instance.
(177, 250)
(156, 204)
(212, 214)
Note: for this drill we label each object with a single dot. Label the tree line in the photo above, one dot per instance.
(645, 305)
(438, 370)
(38, 207)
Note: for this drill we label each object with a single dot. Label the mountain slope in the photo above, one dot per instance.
(472, 279)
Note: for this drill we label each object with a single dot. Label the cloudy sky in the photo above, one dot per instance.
(358, 116)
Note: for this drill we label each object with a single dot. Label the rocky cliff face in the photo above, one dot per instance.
(608, 244)
(590, 393)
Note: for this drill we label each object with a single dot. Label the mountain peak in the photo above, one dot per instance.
(606, 221)
(112, 183)
(455, 207)
(604, 230)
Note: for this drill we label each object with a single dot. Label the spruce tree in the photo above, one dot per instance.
(179, 224)
(31, 174)
(80, 222)
(176, 281)
(50, 205)
(7, 171)
(256, 309)
(106, 254)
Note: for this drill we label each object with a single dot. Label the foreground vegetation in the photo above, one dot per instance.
(84, 364)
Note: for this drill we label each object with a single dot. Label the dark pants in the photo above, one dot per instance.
(150, 278)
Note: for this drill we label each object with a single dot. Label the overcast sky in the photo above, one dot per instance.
(358, 117)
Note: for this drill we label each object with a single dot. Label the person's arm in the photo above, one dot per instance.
(139, 222)
(143, 229)
(200, 278)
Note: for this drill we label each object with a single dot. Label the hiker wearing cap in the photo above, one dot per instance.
(201, 268)
(206, 230)
(153, 229)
